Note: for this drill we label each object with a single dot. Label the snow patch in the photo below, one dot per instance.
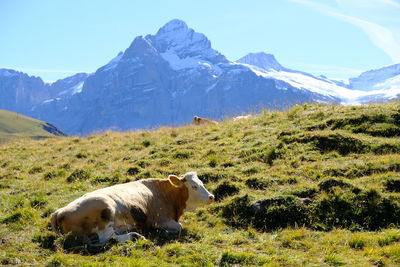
(177, 63)
(7, 73)
(51, 100)
(73, 90)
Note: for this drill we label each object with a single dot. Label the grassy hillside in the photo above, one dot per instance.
(315, 186)
(14, 125)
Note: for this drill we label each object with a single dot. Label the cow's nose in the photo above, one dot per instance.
(211, 198)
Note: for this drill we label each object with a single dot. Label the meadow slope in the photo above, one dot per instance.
(15, 126)
(314, 186)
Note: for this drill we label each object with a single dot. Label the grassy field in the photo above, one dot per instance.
(16, 126)
(314, 186)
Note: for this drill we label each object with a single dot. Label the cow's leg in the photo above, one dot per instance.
(129, 236)
(171, 226)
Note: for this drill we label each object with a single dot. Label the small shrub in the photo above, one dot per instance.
(386, 148)
(182, 155)
(82, 155)
(110, 180)
(393, 185)
(251, 170)
(383, 130)
(257, 183)
(22, 215)
(304, 192)
(133, 171)
(333, 259)
(143, 163)
(340, 143)
(281, 211)
(213, 162)
(329, 185)
(388, 239)
(228, 164)
(45, 240)
(146, 143)
(269, 156)
(38, 200)
(47, 212)
(55, 262)
(238, 212)
(71, 243)
(357, 243)
(35, 169)
(53, 174)
(164, 162)
(212, 176)
(225, 189)
(145, 175)
(232, 258)
(79, 175)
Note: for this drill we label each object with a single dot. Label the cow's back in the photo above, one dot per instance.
(96, 209)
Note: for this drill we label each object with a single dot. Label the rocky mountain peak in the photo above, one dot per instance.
(261, 60)
(173, 27)
(177, 38)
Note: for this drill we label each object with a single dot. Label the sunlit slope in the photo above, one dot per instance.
(14, 125)
(316, 185)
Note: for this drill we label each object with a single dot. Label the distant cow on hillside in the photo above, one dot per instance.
(118, 210)
(201, 121)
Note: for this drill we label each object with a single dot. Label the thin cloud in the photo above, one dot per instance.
(390, 2)
(382, 37)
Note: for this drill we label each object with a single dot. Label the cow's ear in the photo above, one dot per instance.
(175, 180)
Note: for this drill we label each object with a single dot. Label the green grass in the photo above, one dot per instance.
(15, 126)
(314, 186)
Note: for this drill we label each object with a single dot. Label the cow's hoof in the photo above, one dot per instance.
(172, 232)
(135, 236)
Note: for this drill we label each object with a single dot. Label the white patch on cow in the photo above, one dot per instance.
(129, 236)
(106, 233)
(198, 194)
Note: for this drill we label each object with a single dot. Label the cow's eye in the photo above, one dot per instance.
(195, 187)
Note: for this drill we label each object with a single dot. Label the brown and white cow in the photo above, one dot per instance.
(200, 121)
(118, 210)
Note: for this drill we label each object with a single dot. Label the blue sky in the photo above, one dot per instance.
(339, 38)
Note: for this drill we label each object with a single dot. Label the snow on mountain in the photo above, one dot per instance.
(176, 37)
(7, 73)
(375, 85)
(376, 79)
(267, 66)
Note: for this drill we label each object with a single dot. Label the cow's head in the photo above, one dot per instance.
(198, 194)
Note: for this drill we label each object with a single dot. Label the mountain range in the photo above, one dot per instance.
(167, 78)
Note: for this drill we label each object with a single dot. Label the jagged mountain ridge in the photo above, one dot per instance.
(167, 78)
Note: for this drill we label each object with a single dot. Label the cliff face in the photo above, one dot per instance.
(19, 92)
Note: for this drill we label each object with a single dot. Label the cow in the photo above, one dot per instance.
(200, 121)
(124, 211)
